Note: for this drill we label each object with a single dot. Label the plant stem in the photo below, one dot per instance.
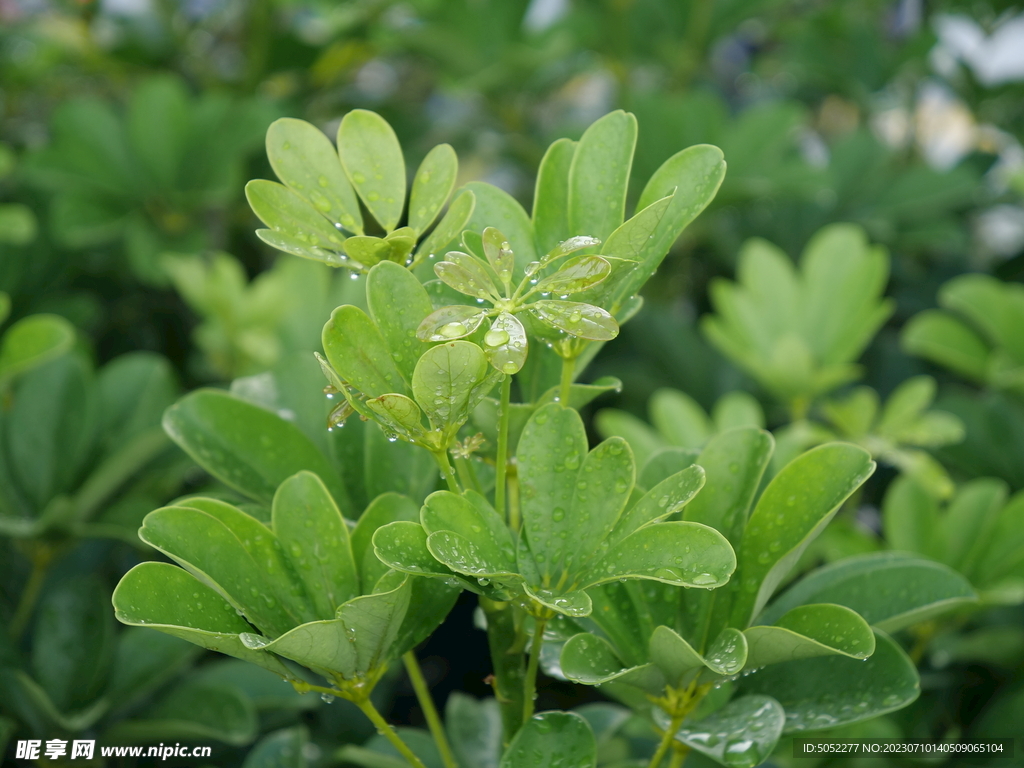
(467, 475)
(679, 754)
(384, 728)
(505, 645)
(501, 466)
(666, 741)
(565, 389)
(514, 521)
(530, 683)
(441, 457)
(419, 684)
(40, 556)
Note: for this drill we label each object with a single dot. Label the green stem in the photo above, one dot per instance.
(441, 457)
(679, 754)
(419, 684)
(501, 466)
(40, 555)
(530, 683)
(384, 728)
(507, 659)
(467, 475)
(666, 741)
(514, 521)
(565, 389)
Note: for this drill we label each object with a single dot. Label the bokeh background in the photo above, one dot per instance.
(128, 128)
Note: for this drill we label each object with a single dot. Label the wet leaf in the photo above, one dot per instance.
(453, 322)
(403, 546)
(432, 186)
(891, 590)
(358, 352)
(807, 631)
(247, 447)
(479, 530)
(505, 344)
(590, 659)
(552, 740)
(466, 274)
(569, 603)
(499, 254)
(575, 275)
(794, 508)
(675, 657)
(741, 734)
(290, 216)
(449, 382)
(497, 208)
(728, 653)
(398, 413)
(599, 175)
(372, 158)
(397, 304)
(665, 499)
(551, 195)
(32, 341)
(664, 463)
(285, 748)
(150, 595)
(386, 508)
(367, 250)
(306, 161)
(450, 227)
(830, 691)
(583, 320)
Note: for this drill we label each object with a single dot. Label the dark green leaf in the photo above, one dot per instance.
(550, 740)
(32, 341)
(741, 734)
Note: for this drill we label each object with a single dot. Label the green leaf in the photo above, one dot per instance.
(291, 217)
(644, 441)
(793, 509)
(450, 227)
(32, 341)
(385, 508)
(482, 545)
(830, 691)
(737, 409)
(808, 631)
(398, 304)
(664, 463)
(399, 414)
(450, 380)
(599, 175)
(367, 250)
(315, 539)
(497, 208)
(741, 734)
(666, 498)
(403, 546)
(575, 275)
(372, 158)
(674, 656)
(505, 344)
(246, 447)
(359, 353)
(360, 640)
(284, 748)
(891, 590)
(452, 322)
(236, 555)
(551, 195)
(590, 659)
(728, 653)
(306, 161)
(474, 730)
(679, 419)
(685, 554)
(944, 339)
(583, 320)
(499, 254)
(432, 186)
(151, 595)
(552, 739)
(467, 274)
(969, 521)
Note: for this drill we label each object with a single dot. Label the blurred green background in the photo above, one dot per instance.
(128, 128)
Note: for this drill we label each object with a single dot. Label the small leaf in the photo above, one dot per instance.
(358, 352)
(891, 590)
(665, 499)
(32, 341)
(941, 338)
(497, 208)
(830, 691)
(473, 519)
(577, 274)
(569, 246)
(505, 344)
(403, 546)
(291, 216)
(451, 225)
(590, 659)
(793, 509)
(467, 275)
(284, 748)
(305, 160)
(372, 158)
(386, 508)
(552, 739)
(728, 654)
(741, 734)
(808, 631)
(685, 554)
(150, 595)
(367, 250)
(499, 254)
(675, 657)
(583, 320)
(399, 413)
(449, 382)
(453, 322)
(432, 185)
(574, 603)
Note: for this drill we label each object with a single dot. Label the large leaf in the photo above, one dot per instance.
(432, 185)
(552, 740)
(741, 734)
(891, 590)
(373, 161)
(157, 595)
(246, 447)
(450, 380)
(306, 161)
(793, 509)
(830, 691)
(599, 175)
(358, 352)
(32, 341)
(807, 631)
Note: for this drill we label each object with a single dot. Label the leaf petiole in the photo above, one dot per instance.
(419, 684)
(501, 466)
(384, 728)
(530, 682)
